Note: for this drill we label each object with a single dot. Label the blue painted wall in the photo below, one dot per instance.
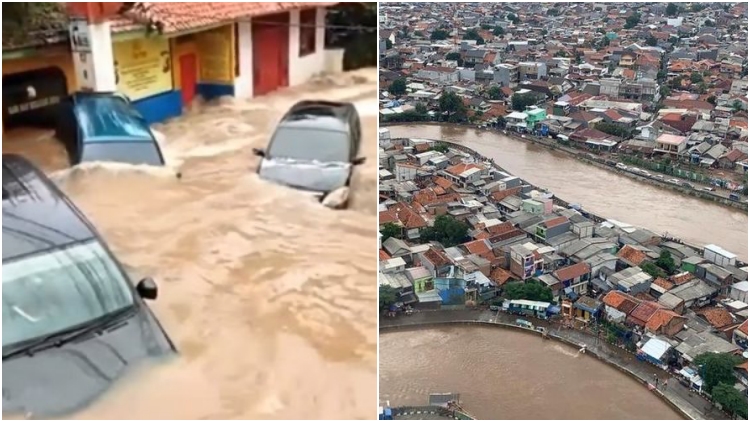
(209, 91)
(160, 107)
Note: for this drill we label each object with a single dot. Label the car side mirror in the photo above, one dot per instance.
(147, 289)
(359, 161)
(259, 152)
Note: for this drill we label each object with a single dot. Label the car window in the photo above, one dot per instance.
(123, 152)
(47, 293)
(310, 145)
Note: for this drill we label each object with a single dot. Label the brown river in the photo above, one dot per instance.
(602, 192)
(269, 297)
(505, 374)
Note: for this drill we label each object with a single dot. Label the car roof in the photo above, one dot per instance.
(36, 215)
(322, 115)
(107, 117)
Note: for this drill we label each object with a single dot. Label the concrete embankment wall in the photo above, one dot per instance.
(581, 155)
(420, 325)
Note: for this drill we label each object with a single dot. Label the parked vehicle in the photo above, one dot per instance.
(686, 185)
(314, 149)
(73, 323)
(674, 181)
(734, 196)
(104, 126)
(709, 188)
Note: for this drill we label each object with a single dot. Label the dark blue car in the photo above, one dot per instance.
(73, 322)
(104, 126)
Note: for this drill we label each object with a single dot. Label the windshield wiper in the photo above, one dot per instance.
(60, 338)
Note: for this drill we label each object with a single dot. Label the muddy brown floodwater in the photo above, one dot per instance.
(269, 297)
(600, 191)
(505, 374)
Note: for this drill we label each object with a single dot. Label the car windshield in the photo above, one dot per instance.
(54, 291)
(123, 152)
(326, 146)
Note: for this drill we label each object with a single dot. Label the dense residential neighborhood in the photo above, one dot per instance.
(662, 86)
(659, 85)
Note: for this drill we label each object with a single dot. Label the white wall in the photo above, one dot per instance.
(301, 69)
(243, 84)
(94, 66)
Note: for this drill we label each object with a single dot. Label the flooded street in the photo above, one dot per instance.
(509, 375)
(268, 296)
(600, 191)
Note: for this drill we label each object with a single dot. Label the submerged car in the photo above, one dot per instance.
(73, 322)
(314, 149)
(104, 126)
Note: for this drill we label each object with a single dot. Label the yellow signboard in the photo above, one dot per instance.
(143, 67)
(216, 52)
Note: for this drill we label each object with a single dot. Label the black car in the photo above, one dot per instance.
(314, 148)
(72, 321)
(104, 126)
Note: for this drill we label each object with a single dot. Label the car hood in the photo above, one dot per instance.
(59, 381)
(312, 176)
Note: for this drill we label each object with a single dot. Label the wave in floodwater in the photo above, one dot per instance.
(268, 295)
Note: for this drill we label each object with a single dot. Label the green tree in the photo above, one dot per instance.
(613, 129)
(494, 93)
(513, 18)
(652, 41)
(519, 102)
(730, 399)
(439, 34)
(651, 269)
(441, 147)
(716, 368)
(420, 108)
(452, 104)
(711, 99)
(696, 77)
(666, 262)
(453, 56)
(709, 22)
(398, 87)
(387, 296)
(472, 34)
(390, 230)
(498, 31)
(553, 12)
(388, 44)
(737, 105)
(480, 41)
(672, 9)
(446, 230)
(632, 21)
(530, 290)
(486, 26)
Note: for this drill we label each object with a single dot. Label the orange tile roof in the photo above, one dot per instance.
(408, 217)
(501, 228)
(743, 327)
(623, 302)
(663, 283)
(502, 194)
(479, 247)
(183, 16)
(681, 278)
(643, 312)
(386, 217)
(443, 182)
(384, 255)
(436, 257)
(500, 276)
(554, 222)
(661, 318)
(460, 168)
(572, 271)
(717, 317)
(632, 255)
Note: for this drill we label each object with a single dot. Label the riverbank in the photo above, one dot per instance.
(564, 203)
(588, 158)
(689, 405)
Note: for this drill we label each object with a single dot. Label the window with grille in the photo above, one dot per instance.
(307, 32)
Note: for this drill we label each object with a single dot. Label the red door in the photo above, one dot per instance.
(270, 53)
(188, 77)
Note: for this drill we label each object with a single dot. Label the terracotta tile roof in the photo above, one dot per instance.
(663, 283)
(661, 318)
(643, 312)
(408, 217)
(507, 235)
(500, 276)
(717, 317)
(460, 168)
(743, 327)
(480, 247)
(384, 255)
(623, 302)
(632, 255)
(572, 271)
(554, 222)
(437, 258)
(502, 194)
(743, 365)
(183, 16)
(681, 278)
(501, 228)
(689, 104)
(734, 155)
(443, 182)
(386, 217)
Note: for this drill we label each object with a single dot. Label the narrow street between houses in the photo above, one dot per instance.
(267, 295)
